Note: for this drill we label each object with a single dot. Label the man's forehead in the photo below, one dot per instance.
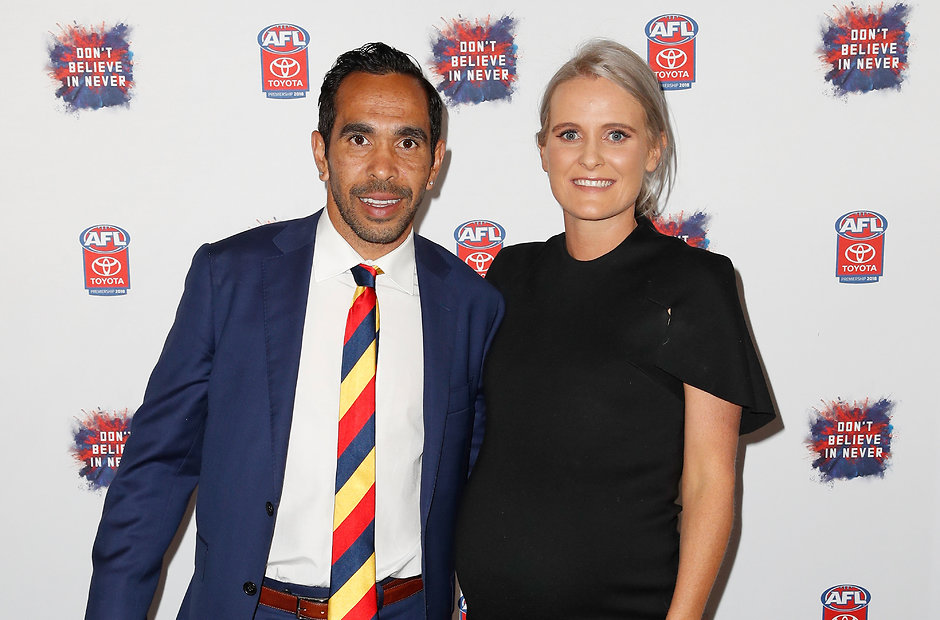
(366, 95)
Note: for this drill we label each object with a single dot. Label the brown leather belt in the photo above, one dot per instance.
(393, 591)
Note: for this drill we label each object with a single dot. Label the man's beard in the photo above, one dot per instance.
(384, 232)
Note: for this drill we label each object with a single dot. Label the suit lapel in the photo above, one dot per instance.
(438, 334)
(285, 285)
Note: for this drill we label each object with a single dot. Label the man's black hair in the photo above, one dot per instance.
(377, 59)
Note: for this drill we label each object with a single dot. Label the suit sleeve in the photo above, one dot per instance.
(161, 462)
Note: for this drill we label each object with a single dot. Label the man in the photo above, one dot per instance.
(245, 400)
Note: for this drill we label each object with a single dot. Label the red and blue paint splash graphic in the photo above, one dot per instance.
(851, 440)
(99, 445)
(692, 228)
(476, 61)
(94, 66)
(866, 50)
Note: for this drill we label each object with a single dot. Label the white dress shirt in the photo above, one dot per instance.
(301, 548)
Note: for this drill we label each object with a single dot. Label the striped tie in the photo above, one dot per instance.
(352, 575)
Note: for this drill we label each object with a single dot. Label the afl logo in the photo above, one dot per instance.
(845, 598)
(860, 247)
(283, 39)
(861, 225)
(104, 239)
(284, 72)
(478, 242)
(479, 234)
(670, 50)
(671, 29)
(104, 254)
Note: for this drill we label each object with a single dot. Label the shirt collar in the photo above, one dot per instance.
(333, 256)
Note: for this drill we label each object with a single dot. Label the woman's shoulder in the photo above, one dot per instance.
(681, 264)
(520, 258)
(675, 270)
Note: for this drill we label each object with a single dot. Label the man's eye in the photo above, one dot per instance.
(358, 140)
(408, 143)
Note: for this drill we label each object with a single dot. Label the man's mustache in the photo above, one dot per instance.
(383, 187)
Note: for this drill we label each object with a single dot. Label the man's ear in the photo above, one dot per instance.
(436, 159)
(319, 154)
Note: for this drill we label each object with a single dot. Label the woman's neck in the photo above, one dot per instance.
(586, 239)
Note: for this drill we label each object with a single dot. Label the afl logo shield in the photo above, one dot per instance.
(284, 61)
(670, 50)
(478, 243)
(107, 268)
(860, 247)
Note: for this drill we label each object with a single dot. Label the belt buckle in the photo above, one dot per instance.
(309, 599)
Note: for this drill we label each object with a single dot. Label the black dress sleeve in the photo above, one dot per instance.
(707, 343)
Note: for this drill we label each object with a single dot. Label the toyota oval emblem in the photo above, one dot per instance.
(671, 58)
(106, 266)
(285, 67)
(859, 253)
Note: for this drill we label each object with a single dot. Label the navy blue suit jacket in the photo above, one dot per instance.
(217, 414)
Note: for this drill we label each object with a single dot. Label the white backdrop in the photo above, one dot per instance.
(765, 148)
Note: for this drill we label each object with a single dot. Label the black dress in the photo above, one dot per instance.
(571, 509)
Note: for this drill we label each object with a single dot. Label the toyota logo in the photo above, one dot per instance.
(845, 617)
(284, 67)
(479, 261)
(859, 253)
(106, 266)
(671, 58)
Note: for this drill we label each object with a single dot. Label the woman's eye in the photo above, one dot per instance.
(570, 134)
(617, 136)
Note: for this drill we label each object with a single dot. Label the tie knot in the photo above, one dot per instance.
(365, 275)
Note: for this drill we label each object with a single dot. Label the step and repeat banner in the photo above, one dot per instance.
(807, 143)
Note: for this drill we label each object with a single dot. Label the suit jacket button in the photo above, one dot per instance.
(269, 508)
(250, 588)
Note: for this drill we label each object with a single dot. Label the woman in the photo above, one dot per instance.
(615, 384)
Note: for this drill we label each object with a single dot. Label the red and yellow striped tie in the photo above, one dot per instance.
(352, 575)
